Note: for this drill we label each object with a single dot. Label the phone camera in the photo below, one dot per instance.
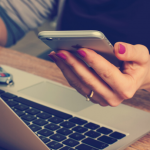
(50, 39)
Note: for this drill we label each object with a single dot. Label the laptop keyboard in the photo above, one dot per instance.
(59, 130)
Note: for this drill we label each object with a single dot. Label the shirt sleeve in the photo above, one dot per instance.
(21, 16)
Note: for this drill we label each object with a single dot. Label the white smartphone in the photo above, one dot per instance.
(75, 39)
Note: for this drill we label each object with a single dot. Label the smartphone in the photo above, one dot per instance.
(75, 39)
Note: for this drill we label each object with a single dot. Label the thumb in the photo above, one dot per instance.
(128, 52)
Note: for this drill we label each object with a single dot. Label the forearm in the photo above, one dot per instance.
(3, 33)
(21, 17)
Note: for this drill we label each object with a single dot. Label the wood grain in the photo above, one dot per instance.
(49, 70)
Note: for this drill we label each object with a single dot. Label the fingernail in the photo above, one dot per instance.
(52, 57)
(121, 49)
(61, 55)
(81, 53)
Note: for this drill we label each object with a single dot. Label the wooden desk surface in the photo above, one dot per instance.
(49, 70)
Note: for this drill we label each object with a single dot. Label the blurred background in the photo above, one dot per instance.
(30, 43)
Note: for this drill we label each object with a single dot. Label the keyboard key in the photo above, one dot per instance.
(91, 126)
(92, 134)
(12, 103)
(79, 129)
(22, 107)
(67, 124)
(28, 117)
(58, 137)
(70, 142)
(33, 111)
(40, 122)
(95, 143)
(64, 131)
(18, 112)
(104, 130)
(44, 115)
(1, 91)
(34, 127)
(85, 147)
(54, 145)
(107, 139)
(55, 120)
(117, 135)
(45, 132)
(44, 108)
(77, 136)
(52, 126)
(4, 99)
(26, 122)
(67, 148)
(8, 96)
(44, 139)
(78, 120)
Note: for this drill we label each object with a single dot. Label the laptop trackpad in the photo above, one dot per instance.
(59, 95)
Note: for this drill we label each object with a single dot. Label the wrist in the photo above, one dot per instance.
(146, 85)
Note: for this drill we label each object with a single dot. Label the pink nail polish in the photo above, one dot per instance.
(61, 55)
(121, 49)
(81, 53)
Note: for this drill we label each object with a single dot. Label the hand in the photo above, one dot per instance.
(3, 33)
(111, 86)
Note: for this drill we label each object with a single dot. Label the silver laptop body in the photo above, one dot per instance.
(16, 135)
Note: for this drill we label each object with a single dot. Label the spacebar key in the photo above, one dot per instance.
(94, 143)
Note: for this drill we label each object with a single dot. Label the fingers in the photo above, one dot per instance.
(124, 83)
(74, 81)
(71, 77)
(68, 73)
(135, 53)
(107, 71)
(110, 85)
(83, 80)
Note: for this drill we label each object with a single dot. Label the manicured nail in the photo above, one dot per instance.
(121, 49)
(81, 53)
(52, 57)
(61, 55)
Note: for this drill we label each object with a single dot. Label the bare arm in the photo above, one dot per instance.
(21, 17)
(3, 33)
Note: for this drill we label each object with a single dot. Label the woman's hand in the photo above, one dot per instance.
(3, 33)
(110, 85)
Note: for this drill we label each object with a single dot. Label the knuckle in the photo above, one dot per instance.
(91, 62)
(126, 95)
(92, 57)
(107, 73)
(141, 46)
(144, 52)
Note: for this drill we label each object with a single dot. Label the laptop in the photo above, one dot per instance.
(39, 114)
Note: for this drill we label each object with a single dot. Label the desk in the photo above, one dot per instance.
(49, 70)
